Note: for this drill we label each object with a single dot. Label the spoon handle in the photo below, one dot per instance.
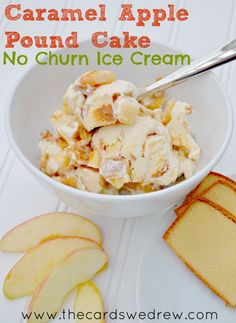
(224, 55)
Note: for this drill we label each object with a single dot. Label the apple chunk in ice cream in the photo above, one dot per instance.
(106, 141)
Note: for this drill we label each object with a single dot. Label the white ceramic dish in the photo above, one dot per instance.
(165, 284)
(40, 92)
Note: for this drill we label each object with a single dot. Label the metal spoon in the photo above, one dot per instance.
(219, 57)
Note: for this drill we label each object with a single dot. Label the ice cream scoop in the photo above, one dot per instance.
(219, 57)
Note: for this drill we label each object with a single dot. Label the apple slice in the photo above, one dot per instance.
(89, 303)
(79, 267)
(48, 226)
(31, 269)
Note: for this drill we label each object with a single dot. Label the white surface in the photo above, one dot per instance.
(212, 23)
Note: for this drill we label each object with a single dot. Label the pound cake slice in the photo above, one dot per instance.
(221, 193)
(211, 179)
(204, 237)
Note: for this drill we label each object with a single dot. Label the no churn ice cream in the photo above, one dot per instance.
(106, 141)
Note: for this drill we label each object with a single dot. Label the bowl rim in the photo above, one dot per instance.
(108, 197)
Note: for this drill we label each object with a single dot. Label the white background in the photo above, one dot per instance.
(212, 23)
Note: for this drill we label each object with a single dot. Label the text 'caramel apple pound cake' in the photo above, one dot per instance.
(204, 235)
(104, 140)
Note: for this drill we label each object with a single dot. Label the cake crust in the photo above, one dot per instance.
(194, 192)
(184, 206)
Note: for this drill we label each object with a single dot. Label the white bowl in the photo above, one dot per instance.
(40, 92)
